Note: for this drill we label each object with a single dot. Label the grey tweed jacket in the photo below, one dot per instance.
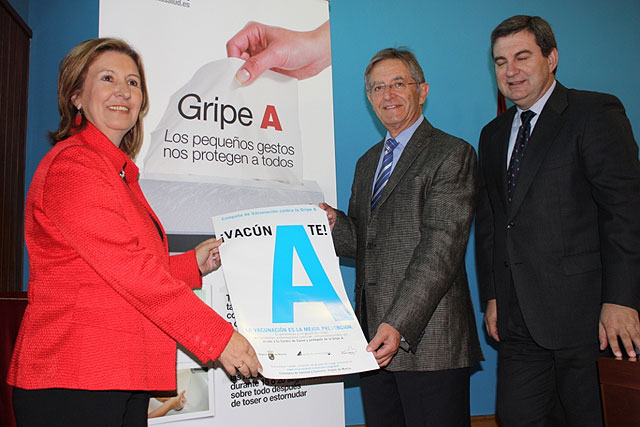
(410, 251)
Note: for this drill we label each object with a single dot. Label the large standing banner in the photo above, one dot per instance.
(201, 121)
(283, 276)
(213, 146)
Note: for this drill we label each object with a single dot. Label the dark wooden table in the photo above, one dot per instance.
(620, 386)
(11, 310)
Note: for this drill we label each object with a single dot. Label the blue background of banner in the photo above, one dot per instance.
(597, 48)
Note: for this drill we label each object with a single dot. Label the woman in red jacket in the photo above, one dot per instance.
(106, 301)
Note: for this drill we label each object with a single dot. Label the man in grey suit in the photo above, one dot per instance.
(557, 233)
(408, 223)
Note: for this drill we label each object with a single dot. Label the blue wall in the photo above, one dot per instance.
(57, 27)
(598, 51)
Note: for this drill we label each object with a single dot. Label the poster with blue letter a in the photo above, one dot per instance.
(288, 297)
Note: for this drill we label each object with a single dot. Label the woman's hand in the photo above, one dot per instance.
(208, 256)
(240, 357)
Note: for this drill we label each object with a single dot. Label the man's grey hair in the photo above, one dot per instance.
(403, 54)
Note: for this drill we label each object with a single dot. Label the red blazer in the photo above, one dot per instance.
(106, 301)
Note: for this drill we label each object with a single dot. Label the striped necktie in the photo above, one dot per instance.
(385, 171)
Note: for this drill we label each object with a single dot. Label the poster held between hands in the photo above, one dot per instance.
(284, 280)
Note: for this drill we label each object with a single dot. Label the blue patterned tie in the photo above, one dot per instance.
(385, 171)
(518, 151)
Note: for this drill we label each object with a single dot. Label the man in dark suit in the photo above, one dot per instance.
(557, 233)
(409, 236)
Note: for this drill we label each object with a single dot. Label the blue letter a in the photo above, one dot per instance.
(285, 293)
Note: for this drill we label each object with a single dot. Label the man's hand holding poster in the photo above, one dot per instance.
(284, 280)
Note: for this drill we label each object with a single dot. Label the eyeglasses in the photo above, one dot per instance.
(399, 86)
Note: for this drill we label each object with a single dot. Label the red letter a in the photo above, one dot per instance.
(270, 118)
